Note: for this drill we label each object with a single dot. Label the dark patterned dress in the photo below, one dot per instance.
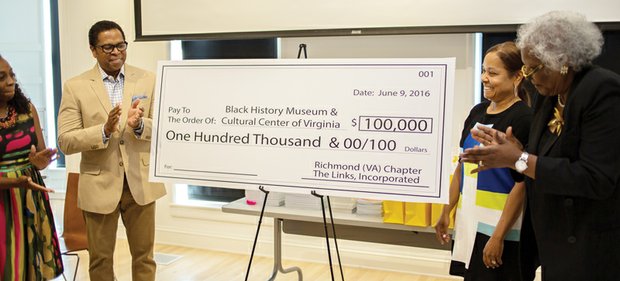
(28, 242)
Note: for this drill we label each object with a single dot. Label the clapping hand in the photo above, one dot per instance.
(111, 125)
(134, 116)
(488, 136)
(42, 158)
(499, 149)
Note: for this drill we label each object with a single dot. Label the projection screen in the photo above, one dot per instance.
(200, 19)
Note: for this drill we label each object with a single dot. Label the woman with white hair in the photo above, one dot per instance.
(572, 162)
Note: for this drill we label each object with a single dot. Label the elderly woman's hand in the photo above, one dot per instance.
(499, 151)
(487, 136)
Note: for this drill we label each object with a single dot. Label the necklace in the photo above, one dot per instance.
(9, 119)
(560, 103)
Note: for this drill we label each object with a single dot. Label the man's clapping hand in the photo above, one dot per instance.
(114, 117)
(134, 116)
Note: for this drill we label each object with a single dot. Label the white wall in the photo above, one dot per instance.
(23, 45)
(76, 17)
(208, 227)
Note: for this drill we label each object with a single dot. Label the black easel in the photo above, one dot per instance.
(302, 46)
(331, 216)
(260, 221)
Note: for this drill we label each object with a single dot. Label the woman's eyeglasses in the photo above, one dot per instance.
(109, 48)
(528, 72)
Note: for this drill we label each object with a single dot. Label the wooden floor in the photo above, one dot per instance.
(203, 265)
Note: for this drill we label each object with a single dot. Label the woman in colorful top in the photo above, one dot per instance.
(28, 242)
(488, 217)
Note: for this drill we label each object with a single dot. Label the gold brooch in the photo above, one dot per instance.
(556, 124)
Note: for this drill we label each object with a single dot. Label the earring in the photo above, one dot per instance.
(564, 70)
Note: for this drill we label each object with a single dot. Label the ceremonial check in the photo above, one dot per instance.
(361, 128)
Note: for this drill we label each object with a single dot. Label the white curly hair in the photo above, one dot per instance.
(561, 38)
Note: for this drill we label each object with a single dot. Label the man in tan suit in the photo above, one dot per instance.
(105, 114)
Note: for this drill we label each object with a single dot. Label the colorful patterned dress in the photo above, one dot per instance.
(28, 242)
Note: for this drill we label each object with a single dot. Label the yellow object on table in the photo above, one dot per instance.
(417, 214)
(394, 212)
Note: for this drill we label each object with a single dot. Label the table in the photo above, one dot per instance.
(349, 226)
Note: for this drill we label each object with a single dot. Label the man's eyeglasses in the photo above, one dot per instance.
(109, 48)
(528, 72)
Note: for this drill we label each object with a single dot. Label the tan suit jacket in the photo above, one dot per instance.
(83, 111)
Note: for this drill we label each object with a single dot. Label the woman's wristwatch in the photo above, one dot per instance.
(521, 164)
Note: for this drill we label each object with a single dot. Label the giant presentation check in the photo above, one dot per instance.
(364, 128)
